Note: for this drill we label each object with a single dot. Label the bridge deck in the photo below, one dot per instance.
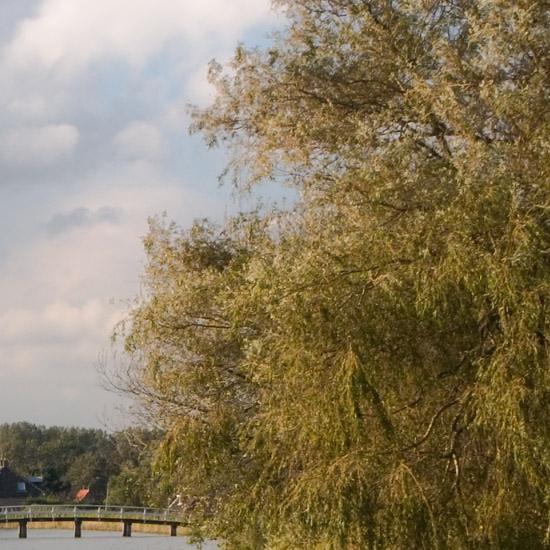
(79, 513)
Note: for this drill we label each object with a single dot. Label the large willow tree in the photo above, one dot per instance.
(371, 369)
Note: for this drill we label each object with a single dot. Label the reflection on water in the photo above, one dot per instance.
(52, 539)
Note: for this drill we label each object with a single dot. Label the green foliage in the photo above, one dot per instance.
(70, 459)
(371, 369)
(44, 500)
(136, 484)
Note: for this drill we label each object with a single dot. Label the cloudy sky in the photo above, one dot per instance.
(93, 141)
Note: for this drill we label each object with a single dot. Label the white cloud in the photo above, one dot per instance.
(140, 140)
(33, 106)
(69, 34)
(38, 144)
(91, 254)
(93, 140)
(56, 322)
(198, 88)
(64, 290)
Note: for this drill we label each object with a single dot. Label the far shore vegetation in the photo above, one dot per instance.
(115, 467)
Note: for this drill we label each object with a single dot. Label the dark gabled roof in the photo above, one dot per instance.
(13, 485)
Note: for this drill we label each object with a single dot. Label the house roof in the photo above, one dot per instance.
(35, 479)
(11, 485)
(82, 494)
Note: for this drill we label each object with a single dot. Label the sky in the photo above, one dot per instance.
(93, 141)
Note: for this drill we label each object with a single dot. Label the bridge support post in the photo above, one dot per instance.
(22, 528)
(77, 528)
(173, 529)
(127, 529)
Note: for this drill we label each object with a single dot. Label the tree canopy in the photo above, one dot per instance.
(116, 467)
(68, 459)
(369, 369)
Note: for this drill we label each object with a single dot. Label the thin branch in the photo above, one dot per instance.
(431, 426)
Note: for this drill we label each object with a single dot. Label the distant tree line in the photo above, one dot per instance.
(114, 466)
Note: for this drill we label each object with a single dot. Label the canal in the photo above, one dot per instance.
(53, 539)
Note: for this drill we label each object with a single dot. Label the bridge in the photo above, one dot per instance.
(125, 515)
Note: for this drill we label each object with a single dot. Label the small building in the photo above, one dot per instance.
(14, 489)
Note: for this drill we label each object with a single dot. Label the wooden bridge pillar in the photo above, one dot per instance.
(22, 528)
(127, 529)
(77, 528)
(173, 529)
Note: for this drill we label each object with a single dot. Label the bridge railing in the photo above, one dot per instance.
(41, 512)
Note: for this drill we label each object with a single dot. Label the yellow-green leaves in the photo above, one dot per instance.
(369, 370)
